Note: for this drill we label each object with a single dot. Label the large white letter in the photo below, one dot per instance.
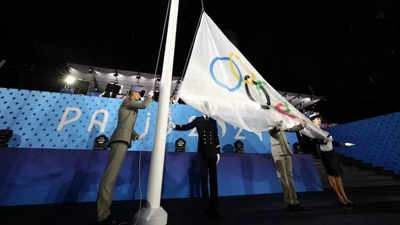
(237, 136)
(64, 120)
(102, 124)
(221, 123)
(259, 134)
(193, 133)
(146, 126)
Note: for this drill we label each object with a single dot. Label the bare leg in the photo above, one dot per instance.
(339, 183)
(332, 182)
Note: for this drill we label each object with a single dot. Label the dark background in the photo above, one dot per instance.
(347, 52)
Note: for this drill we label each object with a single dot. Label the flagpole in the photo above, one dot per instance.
(153, 213)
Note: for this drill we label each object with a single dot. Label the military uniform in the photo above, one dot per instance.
(120, 142)
(207, 152)
(282, 156)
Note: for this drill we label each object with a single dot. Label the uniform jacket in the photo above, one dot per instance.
(127, 114)
(208, 135)
(279, 143)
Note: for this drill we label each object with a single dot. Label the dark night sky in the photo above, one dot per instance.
(348, 52)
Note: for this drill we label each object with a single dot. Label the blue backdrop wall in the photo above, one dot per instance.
(40, 168)
(377, 140)
(65, 121)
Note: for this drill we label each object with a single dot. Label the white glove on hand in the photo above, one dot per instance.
(141, 137)
(304, 123)
(171, 125)
(348, 144)
(218, 158)
(150, 94)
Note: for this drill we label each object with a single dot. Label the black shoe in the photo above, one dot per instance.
(110, 220)
(213, 214)
(298, 207)
(294, 208)
(345, 205)
(289, 208)
(351, 204)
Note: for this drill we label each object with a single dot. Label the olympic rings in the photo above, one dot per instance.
(253, 77)
(248, 80)
(286, 111)
(263, 90)
(219, 82)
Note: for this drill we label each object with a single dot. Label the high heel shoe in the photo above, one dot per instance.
(344, 204)
(351, 204)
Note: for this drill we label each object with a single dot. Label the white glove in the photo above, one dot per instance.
(218, 158)
(304, 123)
(348, 144)
(279, 124)
(150, 94)
(141, 137)
(328, 139)
(171, 125)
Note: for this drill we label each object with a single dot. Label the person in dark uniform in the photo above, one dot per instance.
(208, 149)
(330, 161)
(120, 142)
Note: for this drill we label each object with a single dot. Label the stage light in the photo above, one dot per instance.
(306, 99)
(142, 92)
(5, 135)
(90, 70)
(70, 80)
(138, 76)
(180, 145)
(100, 143)
(239, 146)
(112, 90)
(2, 63)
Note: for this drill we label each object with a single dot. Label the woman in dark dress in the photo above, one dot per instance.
(330, 160)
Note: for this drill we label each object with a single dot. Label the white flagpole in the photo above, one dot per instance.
(154, 214)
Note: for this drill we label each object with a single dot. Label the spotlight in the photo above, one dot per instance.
(238, 146)
(138, 76)
(81, 87)
(5, 135)
(306, 100)
(180, 145)
(100, 142)
(112, 90)
(90, 70)
(2, 62)
(70, 80)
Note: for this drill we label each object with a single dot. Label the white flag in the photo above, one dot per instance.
(220, 82)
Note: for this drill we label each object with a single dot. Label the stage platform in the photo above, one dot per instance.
(48, 176)
(374, 206)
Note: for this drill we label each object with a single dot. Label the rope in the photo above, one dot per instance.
(161, 42)
(191, 45)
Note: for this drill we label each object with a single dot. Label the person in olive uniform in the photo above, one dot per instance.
(120, 142)
(282, 156)
(208, 149)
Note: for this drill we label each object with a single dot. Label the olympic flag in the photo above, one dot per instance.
(220, 82)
